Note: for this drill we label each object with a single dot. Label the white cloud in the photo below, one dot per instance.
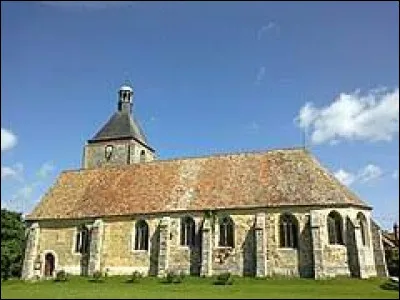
(265, 28)
(14, 172)
(8, 139)
(373, 117)
(368, 173)
(395, 174)
(260, 75)
(345, 177)
(88, 4)
(45, 170)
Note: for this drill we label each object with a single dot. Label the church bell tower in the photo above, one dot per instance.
(121, 140)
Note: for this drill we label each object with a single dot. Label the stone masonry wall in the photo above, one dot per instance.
(59, 238)
(377, 246)
(117, 254)
(345, 259)
(124, 152)
(287, 261)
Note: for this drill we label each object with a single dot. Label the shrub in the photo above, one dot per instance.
(390, 285)
(173, 277)
(224, 279)
(392, 260)
(179, 278)
(135, 277)
(61, 276)
(97, 277)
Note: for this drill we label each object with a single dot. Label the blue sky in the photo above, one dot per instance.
(209, 77)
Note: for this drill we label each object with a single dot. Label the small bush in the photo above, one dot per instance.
(179, 278)
(173, 277)
(61, 276)
(97, 277)
(135, 277)
(224, 279)
(390, 285)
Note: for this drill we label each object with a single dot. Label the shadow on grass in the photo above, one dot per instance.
(390, 286)
(96, 281)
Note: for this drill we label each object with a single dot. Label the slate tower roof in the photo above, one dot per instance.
(122, 124)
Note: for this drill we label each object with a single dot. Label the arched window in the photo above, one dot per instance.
(82, 241)
(187, 231)
(335, 231)
(363, 228)
(142, 156)
(288, 231)
(226, 232)
(141, 235)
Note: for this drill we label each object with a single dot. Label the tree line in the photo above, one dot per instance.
(12, 243)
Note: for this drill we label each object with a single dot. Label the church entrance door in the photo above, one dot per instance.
(49, 265)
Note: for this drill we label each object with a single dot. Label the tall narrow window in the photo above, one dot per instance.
(335, 231)
(82, 240)
(141, 235)
(187, 231)
(363, 228)
(142, 156)
(226, 232)
(288, 231)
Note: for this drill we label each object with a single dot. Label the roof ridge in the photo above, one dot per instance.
(226, 154)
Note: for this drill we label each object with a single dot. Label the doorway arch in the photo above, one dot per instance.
(49, 264)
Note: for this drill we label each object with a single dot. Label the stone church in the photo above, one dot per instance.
(277, 212)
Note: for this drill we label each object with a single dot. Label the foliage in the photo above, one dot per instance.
(12, 243)
(390, 285)
(97, 276)
(224, 279)
(173, 277)
(392, 260)
(135, 277)
(61, 276)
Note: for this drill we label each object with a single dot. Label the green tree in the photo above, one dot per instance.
(12, 243)
(392, 261)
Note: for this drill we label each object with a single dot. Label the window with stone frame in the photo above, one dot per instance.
(288, 231)
(82, 241)
(188, 231)
(363, 228)
(142, 156)
(141, 235)
(335, 228)
(226, 232)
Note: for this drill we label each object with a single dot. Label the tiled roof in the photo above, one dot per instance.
(120, 125)
(269, 179)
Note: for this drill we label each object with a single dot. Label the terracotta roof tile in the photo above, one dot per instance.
(268, 179)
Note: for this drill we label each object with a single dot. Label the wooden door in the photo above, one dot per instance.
(49, 265)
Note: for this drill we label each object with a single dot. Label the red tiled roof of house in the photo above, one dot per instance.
(269, 179)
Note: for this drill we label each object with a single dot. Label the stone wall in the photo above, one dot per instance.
(115, 253)
(125, 152)
(288, 261)
(59, 239)
(379, 255)
(350, 259)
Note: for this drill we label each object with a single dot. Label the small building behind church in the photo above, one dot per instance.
(277, 212)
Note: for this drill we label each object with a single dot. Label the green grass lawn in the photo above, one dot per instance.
(192, 287)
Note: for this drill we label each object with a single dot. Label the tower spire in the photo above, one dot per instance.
(125, 98)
